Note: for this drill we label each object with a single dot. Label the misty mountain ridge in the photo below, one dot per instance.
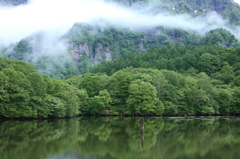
(87, 44)
(228, 9)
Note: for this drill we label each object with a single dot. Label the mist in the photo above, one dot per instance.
(58, 16)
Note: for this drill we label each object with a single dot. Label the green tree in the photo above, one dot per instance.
(226, 74)
(38, 84)
(237, 81)
(19, 89)
(91, 83)
(118, 89)
(142, 99)
(83, 101)
(208, 63)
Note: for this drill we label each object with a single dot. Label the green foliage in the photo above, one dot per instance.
(196, 80)
(220, 37)
(149, 75)
(142, 99)
(38, 84)
(237, 81)
(209, 63)
(90, 45)
(83, 101)
(91, 83)
(130, 91)
(26, 93)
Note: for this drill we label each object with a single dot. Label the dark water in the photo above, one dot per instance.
(115, 138)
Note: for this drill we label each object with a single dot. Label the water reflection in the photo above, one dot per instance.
(113, 137)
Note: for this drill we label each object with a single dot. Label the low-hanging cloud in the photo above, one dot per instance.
(59, 15)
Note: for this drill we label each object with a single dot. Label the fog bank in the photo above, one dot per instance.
(58, 16)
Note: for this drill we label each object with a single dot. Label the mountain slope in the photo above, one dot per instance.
(228, 9)
(86, 45)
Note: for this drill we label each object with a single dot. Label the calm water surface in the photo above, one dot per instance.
(116, 138)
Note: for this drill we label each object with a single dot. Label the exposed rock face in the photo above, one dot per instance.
(75, 54)
(103, 53)
(77, 51)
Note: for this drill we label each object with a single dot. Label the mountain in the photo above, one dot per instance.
(226, 8)
(87, 45)
(148, 58)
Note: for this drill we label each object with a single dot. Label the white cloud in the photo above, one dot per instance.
(60, 15)
(237, 1)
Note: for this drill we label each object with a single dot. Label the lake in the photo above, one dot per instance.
(121, 138)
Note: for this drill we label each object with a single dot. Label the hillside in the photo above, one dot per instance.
(178, 58)
(88, 44)
(226, 8)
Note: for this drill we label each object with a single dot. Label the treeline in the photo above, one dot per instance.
(139, 91)
(216, 61)
(211, 71)
(130, 91)
(26, 93)
(90, 45)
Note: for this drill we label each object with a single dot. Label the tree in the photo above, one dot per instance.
(142, 99)
(19, 89)
(221, 37)
(224, 99)
(235, 104)
(237, 81)
(118, 89)
(53, 107)
(208, 63)
(83, 101)
(226, 74)
(22, 49)
(198, 99)
(38, 84)
(105, 98)
(160, 83)
(91, 83)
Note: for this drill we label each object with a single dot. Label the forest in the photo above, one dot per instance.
(171, 80)
(90, 45)
(102, 69)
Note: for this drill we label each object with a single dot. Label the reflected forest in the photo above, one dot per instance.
(121, 138)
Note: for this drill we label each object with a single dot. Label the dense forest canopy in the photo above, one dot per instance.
(208, 86)
(90, 45)
(113, 70)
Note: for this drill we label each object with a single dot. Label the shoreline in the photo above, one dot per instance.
(125, 116)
